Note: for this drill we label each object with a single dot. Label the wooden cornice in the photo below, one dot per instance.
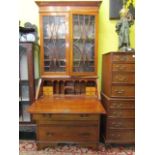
(89, 3)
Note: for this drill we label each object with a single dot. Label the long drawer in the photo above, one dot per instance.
(123, 58)
(123, 77)
(123, 91)
(123, 67)
(121, 113)
(117, 103)
(128, 123)
(68, 133)
(123, 104)
(120, 135)
(52, 117)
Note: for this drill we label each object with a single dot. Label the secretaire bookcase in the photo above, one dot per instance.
(67, 108)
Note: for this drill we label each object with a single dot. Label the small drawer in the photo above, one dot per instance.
(51, 117)
(123, 91)
(123, 77)
(69, 133)
(91, 93)
(121, 135)
(124, 57)
(128, 123)
(121, 113)
(122, 104)
(47, 88)
(47, 93)
(90, 89)
(123, 67)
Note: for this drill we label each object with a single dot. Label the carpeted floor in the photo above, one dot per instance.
(28, 147)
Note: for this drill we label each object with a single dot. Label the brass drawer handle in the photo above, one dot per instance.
(123, 58)
(84, 115)
(121, 78)
(116, 113)
(115, 135)
(84, 134)
(47, 115)
(120, 58)
(120, 68)
(119, 105)
(49, 134)
(120, 91)
(116, 124)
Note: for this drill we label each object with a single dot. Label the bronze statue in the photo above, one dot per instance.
(122, 28)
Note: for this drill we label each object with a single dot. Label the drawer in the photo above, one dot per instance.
(123, 67)
(91, 93)
(51, 117)
(47, 93)
(123, 77)
(121, 135)
(122, 104)
(123, 91)
(128, 123)
(121, 113)
(69, 123)
(48, 88)
(67, 133)
(89, 89)
(126, 58)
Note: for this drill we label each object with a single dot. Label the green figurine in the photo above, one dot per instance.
(122, 28)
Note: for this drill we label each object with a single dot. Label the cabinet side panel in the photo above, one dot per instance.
(30, 55)
(106, 74)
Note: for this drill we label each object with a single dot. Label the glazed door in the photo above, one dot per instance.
(84, 44)
(54, 49)
(26, 80)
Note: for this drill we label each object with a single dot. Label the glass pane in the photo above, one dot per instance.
(83, 43)
(24, 92)
(23, 101)
(24, 116)
(36, 61)
(54, 29)
(23, 66)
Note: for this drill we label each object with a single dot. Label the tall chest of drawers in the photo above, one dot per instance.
(118, 96)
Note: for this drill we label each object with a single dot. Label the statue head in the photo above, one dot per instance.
(124, 11)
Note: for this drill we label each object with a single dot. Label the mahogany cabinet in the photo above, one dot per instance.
(67, 108)
(118, 96)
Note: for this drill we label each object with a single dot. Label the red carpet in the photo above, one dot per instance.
(27, 147)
